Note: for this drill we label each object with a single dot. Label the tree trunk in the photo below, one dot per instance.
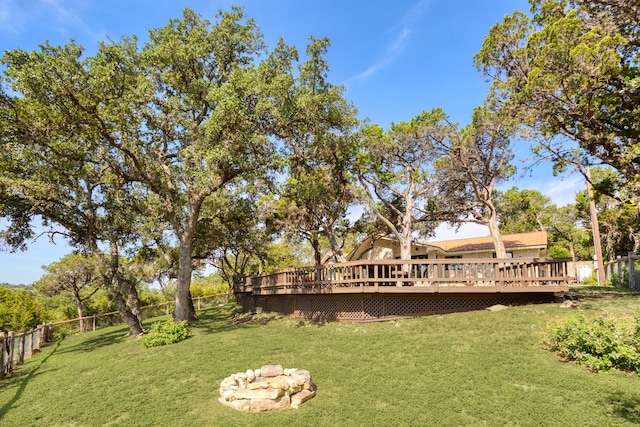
(185, 309)
(131, 319)
(498, 243)
(78, 301)
(317, 253)
(335, 247)
(405, 241)
(109, 273)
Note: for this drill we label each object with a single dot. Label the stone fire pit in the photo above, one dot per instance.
(268, 388)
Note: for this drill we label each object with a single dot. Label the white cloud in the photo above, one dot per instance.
(66, 13)
(63, 17)
(400, 35)
(563, 191)
(11, 18)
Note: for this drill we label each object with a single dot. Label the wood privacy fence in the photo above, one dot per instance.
(624, 268)
(15, 348)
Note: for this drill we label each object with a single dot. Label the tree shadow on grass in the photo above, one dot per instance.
(218, 319)
(23, 383)
(625, 406)
(98, 341)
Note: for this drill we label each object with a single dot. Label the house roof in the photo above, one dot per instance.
(511, 241)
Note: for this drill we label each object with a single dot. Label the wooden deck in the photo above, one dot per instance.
(364, 290)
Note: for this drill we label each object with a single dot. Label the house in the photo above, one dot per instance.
(521, 245)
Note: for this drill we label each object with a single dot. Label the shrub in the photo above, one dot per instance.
(600, 344)
(167, 332)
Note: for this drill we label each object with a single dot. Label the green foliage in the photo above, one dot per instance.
(556, 251)
(591, 280)
(19, 310)
(521, 211)
(569, 69)
(209, 285)
(166, 332)
(150, 296)
(601, 343)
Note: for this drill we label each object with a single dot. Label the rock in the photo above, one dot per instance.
(271, 371)
(497, 307)
(260, 405)
(301, 397)
(227, 393)
(240, 405)
(567, 304)
(228, 382)
(250, 375)
(302, 377)
(279, 382)
(292, 385)
(261, 393)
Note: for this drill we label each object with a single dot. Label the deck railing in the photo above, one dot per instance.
(404, 276)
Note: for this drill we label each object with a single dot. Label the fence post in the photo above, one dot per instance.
(11, 350)
(94, 323)
(28, 338)
(40, 335)
(21, 348)
(2, 355)
(619, 267)
(632, 271)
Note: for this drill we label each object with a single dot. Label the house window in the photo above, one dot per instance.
(453, 266)
(509, 255)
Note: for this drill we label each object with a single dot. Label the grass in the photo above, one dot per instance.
(464, 369)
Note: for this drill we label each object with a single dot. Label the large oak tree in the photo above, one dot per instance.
(175, 122)
(321, 150)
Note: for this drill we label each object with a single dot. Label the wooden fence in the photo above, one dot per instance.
(15, 348)
(623, 267)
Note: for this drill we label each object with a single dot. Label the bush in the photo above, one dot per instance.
(167, 332)
(600, 344)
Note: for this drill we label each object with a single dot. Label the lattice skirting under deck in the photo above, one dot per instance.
(380, 307)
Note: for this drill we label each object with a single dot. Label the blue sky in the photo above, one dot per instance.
(395, 59)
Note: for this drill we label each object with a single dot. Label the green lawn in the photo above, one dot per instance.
(466, 369)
